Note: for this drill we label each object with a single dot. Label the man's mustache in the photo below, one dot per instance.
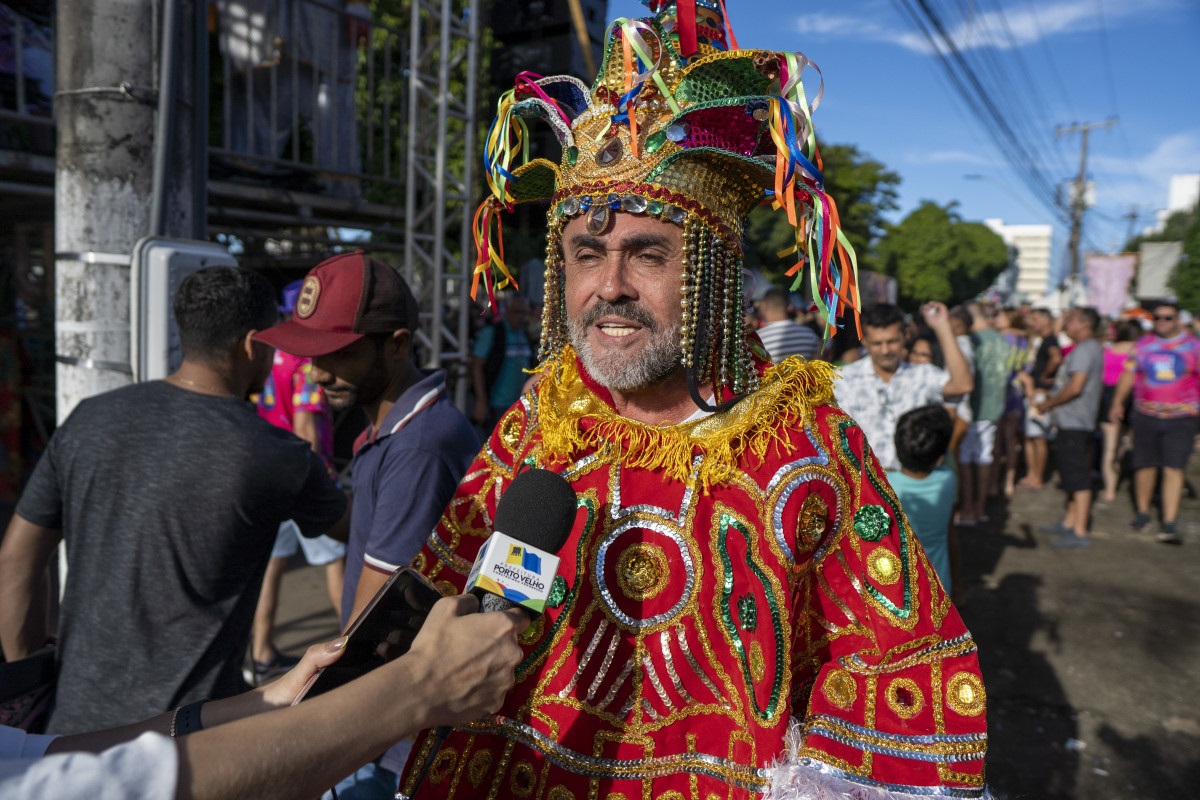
(627, 310)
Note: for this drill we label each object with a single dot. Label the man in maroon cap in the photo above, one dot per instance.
(355, 318)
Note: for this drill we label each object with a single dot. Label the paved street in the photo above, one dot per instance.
(1092, 657)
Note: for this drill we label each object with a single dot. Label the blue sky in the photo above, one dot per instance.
(1059, 62)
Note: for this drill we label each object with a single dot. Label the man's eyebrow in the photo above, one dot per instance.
(636, 241)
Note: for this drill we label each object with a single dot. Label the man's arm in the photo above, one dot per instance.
(1073, 389)
(459, 668)
(304, 425)
(1116, 412)
(1053, 361)
(370, 581)
(938, 320)
(24, 589)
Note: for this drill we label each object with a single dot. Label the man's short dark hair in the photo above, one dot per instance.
(1166, 302)
(216, 307)
(883, 315)
(776, 298)
(1090, 316)
(923, 437)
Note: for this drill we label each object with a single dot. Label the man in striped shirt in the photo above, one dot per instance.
(780, 335)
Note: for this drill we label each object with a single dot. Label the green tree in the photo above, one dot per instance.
(934, 255)
(1175, 229)
(864, 190)
(1185, 282)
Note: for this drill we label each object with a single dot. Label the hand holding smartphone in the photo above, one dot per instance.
(382, 632)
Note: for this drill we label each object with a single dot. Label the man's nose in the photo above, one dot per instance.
(319, 375)
(614, 279)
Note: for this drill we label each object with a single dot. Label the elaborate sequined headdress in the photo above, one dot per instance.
(681, 124)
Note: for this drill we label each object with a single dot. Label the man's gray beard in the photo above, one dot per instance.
(615, 371)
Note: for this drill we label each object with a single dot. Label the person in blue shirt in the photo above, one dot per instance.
(925, 487)
(501, 354)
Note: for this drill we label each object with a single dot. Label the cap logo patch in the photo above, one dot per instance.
(306, 303)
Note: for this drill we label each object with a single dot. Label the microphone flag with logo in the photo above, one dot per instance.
(517, 564)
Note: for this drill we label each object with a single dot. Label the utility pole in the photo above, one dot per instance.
(1078, 199)
(1132, 216)
(107, 104)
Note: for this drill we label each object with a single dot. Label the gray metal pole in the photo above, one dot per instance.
(105, 109)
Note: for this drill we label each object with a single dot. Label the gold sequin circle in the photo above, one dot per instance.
(523, 779)
(813, 514)
(477, 770)
(840, 688)
(560, 792)
(965, 694)
(534, 632)
(642, 571)
(510, 430)
(443, 765)
(904, 697)
(883, 566)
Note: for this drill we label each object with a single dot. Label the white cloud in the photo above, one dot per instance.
(1145, 182)
(1017, 26)
(952, 157)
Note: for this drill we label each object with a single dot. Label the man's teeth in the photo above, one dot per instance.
(616, 330)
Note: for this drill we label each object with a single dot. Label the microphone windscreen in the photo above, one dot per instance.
(538, 508)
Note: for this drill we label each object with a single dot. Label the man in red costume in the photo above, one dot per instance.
(741, 609)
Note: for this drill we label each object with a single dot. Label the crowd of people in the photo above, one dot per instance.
(754, 598)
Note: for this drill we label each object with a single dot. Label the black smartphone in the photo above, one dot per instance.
(383, 631)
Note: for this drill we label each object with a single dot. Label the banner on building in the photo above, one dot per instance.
(1108, 279)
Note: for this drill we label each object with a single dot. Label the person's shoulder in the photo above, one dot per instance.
(854, 370)
(923, 373)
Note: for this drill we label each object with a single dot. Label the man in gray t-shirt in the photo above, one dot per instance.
(1076, 405)
(168, 495)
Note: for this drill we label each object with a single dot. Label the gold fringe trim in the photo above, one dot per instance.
(758, 425)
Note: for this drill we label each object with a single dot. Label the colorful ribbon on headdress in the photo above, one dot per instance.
(819, 236)
(507, 137)
(489, 251)
(638, 53)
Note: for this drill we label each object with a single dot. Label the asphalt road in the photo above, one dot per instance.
(1091, 656)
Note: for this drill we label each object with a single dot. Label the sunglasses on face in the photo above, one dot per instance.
(1166, 318)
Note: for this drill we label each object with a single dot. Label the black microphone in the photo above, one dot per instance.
(517, 564)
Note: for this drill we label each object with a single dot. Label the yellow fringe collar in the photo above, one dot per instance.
(574, 420)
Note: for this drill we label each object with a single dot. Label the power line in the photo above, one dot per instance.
(1112, 94)
(1020, 150)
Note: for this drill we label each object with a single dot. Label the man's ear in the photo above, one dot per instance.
(248, 344)
(402, 340)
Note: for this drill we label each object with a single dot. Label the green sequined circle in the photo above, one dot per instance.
(558, 592)
(871, 523)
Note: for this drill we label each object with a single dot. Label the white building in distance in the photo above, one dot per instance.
(1034, 247)
(1182, 195)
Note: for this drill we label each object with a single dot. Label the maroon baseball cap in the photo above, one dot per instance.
(342, 299)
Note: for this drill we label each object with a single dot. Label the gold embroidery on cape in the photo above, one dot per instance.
(966, 695)
(883, 567)
(642, 571)
(788, 393)
(840, 688)
(904, 697)
(478, 767)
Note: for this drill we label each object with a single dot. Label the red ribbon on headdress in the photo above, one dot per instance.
(685, 23)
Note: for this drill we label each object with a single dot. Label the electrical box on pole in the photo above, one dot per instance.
(158, 267)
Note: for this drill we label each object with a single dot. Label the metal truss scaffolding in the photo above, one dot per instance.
(444, 56)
